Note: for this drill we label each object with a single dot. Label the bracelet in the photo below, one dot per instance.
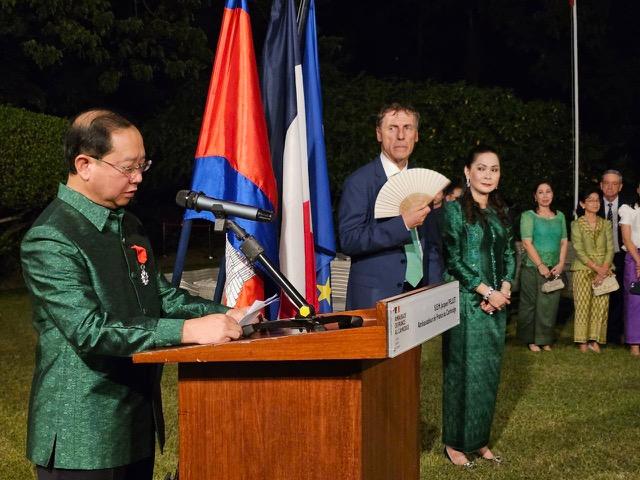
(486, 296)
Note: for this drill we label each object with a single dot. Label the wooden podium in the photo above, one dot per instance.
(323, 406)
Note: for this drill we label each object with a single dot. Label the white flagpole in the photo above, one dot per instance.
(576, 116)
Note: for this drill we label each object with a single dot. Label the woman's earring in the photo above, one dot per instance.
(468, 182)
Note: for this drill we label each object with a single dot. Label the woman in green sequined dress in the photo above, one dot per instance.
(479, 253)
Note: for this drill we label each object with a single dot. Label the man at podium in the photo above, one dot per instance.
(384, 260)
(98, 297)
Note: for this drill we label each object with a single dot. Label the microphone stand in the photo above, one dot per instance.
(254, 252)
(306, 318)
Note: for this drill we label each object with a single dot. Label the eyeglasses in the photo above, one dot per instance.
(128, 171)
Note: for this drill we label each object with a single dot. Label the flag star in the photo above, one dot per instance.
(325, 291)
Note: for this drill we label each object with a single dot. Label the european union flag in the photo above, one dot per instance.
(323, 232)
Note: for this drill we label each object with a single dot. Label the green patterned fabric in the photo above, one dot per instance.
(91, 310)
(591, 244)
(591, 312)
(545, 234)
(472, 351)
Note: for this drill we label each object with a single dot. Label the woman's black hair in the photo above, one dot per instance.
(472, 211)
(535, 190)
(585, 193)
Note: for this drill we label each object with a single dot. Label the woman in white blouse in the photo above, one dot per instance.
(630, 227)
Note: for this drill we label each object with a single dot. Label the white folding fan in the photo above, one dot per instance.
(408, 188)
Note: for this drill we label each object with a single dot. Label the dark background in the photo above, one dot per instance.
(152, 61)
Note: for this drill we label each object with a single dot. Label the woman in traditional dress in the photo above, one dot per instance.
(544, 237)
(479, 253)
(592, 240)
(630, 226)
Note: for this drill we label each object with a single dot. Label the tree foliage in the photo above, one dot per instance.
(533, 138)
(64, 55)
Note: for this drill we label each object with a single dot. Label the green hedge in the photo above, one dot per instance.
(534, 138)
(31, 166)
(31, 162)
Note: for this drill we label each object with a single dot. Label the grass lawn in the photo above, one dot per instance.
(560, 414)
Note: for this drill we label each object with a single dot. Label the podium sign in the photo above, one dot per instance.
(414, 319)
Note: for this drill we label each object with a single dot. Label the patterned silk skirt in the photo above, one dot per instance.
(631, 303)
(591, 312)
(472, 358)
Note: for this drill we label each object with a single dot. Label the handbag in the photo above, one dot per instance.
(552, 285)
(634, 288)
(608, 285)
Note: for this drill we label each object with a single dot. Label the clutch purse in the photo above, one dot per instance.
(608, 285)
(552, 285)
(634, 288)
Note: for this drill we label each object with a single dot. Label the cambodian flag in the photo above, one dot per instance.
(325, 244)
(232, 158)
(284, 101)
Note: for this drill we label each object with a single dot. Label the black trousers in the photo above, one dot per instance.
(615, 322)
(141, 470)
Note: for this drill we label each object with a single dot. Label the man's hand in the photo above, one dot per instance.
(414, 216)
(237, 313)
(214, 328)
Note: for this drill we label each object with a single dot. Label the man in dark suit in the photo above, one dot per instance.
(611, 186)
(379, 248)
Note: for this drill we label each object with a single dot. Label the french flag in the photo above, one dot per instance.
(232, 160)
(284, 105)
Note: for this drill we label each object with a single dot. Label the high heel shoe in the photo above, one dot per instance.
(494, 459)
(469, 464)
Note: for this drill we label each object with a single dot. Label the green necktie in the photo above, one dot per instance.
(413, 252)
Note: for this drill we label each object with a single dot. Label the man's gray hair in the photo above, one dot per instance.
(612, 171)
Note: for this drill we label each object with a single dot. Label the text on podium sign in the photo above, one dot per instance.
(414, 319)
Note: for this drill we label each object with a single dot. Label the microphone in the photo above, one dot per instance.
(199, 201)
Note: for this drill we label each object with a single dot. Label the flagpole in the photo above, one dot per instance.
(576, 113)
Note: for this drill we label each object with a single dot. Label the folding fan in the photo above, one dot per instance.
(408, 188)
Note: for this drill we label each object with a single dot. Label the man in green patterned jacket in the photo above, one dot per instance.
(98, 298)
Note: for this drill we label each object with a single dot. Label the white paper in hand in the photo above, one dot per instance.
(254, 310)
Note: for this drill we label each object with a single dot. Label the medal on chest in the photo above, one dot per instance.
(141, 255)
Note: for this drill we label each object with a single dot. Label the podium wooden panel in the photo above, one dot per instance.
(324, 405)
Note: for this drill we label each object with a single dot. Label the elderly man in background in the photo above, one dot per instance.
(611, 186)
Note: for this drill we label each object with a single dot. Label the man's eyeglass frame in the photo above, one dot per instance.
(127, 171)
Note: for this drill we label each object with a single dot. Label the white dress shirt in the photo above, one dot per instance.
(631, 216)
(390, 168)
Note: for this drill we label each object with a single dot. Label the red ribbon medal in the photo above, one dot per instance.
(141, 254)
